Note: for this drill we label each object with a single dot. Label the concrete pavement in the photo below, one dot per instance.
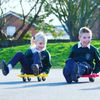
(54, 88)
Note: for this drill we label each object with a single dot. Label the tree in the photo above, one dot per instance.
(34, 10)
(74, 14)
(33, 16)
(2, 20)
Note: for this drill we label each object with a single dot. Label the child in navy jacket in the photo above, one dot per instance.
(81, 58)
(36, 59)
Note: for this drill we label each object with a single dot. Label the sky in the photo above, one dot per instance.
(26, 7)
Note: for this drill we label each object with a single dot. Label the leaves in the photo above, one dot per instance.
(75, 14)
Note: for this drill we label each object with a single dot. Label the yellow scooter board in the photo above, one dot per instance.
(46, 75)
(29, 79)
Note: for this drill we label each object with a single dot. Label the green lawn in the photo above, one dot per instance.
(59, 52)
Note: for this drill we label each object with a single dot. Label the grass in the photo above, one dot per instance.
(59, 52)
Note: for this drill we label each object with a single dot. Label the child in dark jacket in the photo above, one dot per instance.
(81, 58)
(36, 59)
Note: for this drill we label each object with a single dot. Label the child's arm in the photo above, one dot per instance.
(97, 62)
(28, 53)
(22, 71)
(47, 63)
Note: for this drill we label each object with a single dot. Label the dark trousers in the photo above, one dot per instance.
(83, 68)
(26, 66)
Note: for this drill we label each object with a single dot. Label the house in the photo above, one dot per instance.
(14, 22)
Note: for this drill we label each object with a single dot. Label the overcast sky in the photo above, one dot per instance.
(26, 7)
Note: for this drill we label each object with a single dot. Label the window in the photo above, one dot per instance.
(10, 30)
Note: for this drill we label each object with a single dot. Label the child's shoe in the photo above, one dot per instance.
(66, 73)
(35, 69)
(4, 68)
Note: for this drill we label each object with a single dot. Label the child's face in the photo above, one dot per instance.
(85, 39)
(40, 45)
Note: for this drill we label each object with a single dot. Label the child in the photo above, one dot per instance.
(36, 59)
(81, 57)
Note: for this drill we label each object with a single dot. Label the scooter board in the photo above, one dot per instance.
(46, 75)
(89, 76)
(94, 75)
(27, 77)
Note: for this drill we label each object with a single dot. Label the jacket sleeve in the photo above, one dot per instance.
(29, 56)
(97, 61)
(28, 53)
(47, 63)
(71, 53)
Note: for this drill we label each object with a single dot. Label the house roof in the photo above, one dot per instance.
(16, 15)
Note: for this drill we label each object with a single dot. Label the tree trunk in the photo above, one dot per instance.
(2, 36)
(28, 27)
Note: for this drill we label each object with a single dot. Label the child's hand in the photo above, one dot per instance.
(43, 73)
(93, 73)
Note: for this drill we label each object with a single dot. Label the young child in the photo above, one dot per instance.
(81, 58)
(36, 59)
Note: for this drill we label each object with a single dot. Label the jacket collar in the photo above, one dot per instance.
(79, 45)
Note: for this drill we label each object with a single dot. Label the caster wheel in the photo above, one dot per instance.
(24, 79)
(39, 79)
(43, 78)
(29, 79)
(91, 79)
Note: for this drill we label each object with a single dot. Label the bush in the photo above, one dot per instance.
(59, 52)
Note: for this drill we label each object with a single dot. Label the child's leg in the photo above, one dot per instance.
(88, 72)
(73, 66)
(67, 74)
(37, 63)
(84, 68)
(18, 57)
(37, 58)
(71, 70)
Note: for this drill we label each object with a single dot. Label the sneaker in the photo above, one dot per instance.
(4, 68)
(74, 72)
(35, 69)
(66, 73)
(91, 79)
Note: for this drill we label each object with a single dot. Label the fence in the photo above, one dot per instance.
(9, 43)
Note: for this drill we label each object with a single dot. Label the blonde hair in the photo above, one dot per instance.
(40, 36)
(85, 30)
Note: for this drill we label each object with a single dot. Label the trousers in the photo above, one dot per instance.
(83, 68)
(26, 66)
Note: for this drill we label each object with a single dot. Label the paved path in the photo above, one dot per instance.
(54, 88)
